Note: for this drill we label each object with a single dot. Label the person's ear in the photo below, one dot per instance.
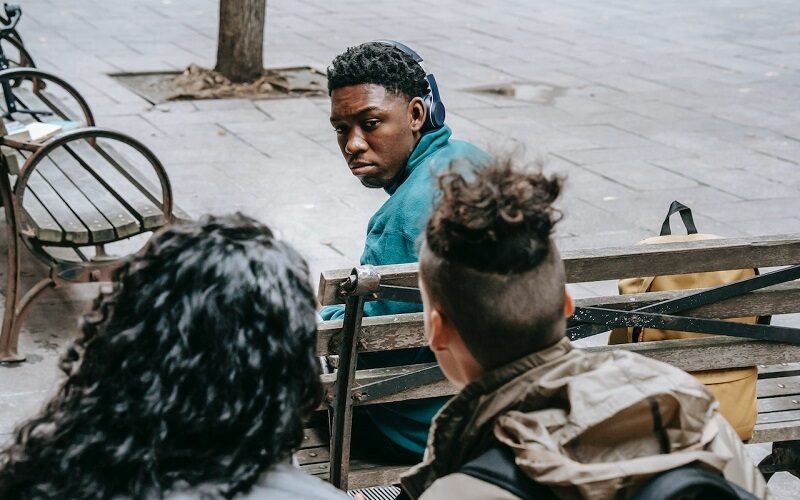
(569, 305)
(417, 114)
(438, 331)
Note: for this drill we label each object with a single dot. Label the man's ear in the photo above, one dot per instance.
(569, 305)
(438, 330)
(417, 114)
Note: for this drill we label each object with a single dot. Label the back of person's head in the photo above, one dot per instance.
(380, 64)
(489, 263)
(195, 370)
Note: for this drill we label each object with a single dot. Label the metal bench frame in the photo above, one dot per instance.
(18, 228)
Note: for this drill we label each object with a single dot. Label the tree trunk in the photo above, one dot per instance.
(240, 45)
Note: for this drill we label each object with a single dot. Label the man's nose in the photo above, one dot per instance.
(355, 143)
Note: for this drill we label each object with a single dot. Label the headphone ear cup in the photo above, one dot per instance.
(429, 123)
(436, 113)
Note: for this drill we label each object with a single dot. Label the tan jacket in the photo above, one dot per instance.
(585, 425)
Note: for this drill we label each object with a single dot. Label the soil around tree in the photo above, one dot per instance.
(200, 83)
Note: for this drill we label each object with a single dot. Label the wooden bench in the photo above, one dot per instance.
(69, 197)
(779, 372)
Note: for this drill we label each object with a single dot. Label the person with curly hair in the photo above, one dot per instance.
(536, 417)
(379, 113)
(190, 379)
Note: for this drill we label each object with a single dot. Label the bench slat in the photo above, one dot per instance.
(781, 431)
(319, 454)
(137, 178)
(135, 200)
(103, 200)
(72, 228)
(625, 262)
(779, 387)
(44, 225)
(314, 436)
(402, 331)
(687, 354)
(100, 229)
(362, 475)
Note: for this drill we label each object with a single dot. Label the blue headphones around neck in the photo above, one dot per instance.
(434, 107)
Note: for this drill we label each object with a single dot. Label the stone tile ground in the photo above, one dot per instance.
(687, 100)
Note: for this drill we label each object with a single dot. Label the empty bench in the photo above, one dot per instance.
(67, 198)
(325, 451)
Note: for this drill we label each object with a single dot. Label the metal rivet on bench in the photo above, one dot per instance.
(321, 466)
(782, 386)
(794, 401)
(762, 366)
(313, 454)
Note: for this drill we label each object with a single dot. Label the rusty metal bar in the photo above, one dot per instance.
(363, 281)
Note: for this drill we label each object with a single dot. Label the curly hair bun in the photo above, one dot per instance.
(496, 219)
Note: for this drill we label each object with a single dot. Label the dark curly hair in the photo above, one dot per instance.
(497, 221)
(489, 261)
(381, 64)
(195, 370)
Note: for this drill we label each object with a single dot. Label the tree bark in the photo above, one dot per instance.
(240, 45)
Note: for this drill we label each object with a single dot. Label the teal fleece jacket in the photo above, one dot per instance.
(392, 235)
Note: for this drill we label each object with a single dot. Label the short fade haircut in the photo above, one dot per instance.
(489, 261)
(380, 64)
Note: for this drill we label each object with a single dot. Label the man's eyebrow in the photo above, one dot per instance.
(361, 111)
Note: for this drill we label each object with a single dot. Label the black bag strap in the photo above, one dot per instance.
(497, 466)
(686, 216)
(700, 483)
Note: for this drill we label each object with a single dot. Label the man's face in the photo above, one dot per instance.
(376, 130)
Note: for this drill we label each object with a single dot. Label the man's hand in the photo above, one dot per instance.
(360, 496)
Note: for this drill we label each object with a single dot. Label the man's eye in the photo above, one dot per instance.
(339, 130)
(371, 124)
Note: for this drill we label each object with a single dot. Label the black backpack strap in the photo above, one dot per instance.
(686, 216)
(497, 466)
(691, 482)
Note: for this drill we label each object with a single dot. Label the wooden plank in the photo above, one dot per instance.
(689, 354)
(778, 416)
(316, 436)
(106, 202)
(378, 333)
(47, 100)
(99, 228)
(382, 333)
(315, 455)
(44, 226)
(782, 403)
(137, 178)
(362, 475)
(73, 229)
(781, 431)
(134, 199)
(779, 387)
(779, 370)
(102, 199)
(626, 262)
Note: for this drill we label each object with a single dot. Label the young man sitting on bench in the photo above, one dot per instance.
(570, 423)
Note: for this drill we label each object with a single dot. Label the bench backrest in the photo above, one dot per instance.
(385, 333)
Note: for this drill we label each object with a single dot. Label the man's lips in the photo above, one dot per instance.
(359, 169)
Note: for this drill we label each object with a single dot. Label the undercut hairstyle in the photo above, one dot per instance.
(193, 373)
(380, 64)
(490, 263)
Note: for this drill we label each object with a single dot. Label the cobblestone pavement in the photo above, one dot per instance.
(637, 103)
